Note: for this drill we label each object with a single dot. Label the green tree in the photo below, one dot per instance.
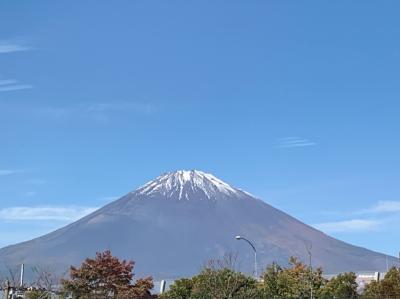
(296, 281)
(37, 294)
(388, 287)
(273, 285)
(214, 284)
(343, 286)
(180, 289)
(223, 284)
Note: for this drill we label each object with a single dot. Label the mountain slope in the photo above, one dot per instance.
(173, 224)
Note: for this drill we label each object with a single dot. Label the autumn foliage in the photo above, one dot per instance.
(388, 287)
(106, 276)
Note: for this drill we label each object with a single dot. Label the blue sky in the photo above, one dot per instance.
(296, 102)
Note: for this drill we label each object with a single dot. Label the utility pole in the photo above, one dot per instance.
(387, 264)
(7, 290)
(309, 248)
(162, 286)
(21, 281)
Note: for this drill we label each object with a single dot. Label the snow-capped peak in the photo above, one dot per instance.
(185, 184)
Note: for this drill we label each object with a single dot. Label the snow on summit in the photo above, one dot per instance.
(184, 184)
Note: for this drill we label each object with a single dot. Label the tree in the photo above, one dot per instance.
(388, 287)
(37, 294)
(12, 276)
(222, 284)
(180, 289)
(343, 286)
(214, 284)
(45, 284)
(293, 282)
(106, 276)
(218, 280)
(46, 278)
(275, 284)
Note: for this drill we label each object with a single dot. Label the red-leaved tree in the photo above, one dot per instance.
(106, 276)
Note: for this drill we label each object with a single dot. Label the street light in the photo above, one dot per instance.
(255, 254)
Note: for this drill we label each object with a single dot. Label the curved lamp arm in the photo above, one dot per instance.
(255, 254)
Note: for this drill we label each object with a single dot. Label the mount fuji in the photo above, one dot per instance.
(172, 225)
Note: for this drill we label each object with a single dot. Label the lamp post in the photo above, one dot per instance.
(255, 254)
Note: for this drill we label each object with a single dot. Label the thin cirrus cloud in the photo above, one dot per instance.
(37, 181)
(108, 199)
(13, 85)
(379, 216)
(101, 112)
(5, 172)
(9, 47)
(379, 209)
(30, 193)
(144, 108)
(382, 207)
(353, 225)
(40, 213)
(291, 142)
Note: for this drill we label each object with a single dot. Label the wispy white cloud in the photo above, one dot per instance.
(8, 82)
(104, 111)
(10, 47)
(353, 225)
(288, 142)
(382, 207)
(13, 85)
(39, 213)
(379, 209)
(4, 172)
(53, 112)
(381, 215)
(30, 193)
(36, 181)
(107, 199)
(145, 108)
(98, 111)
